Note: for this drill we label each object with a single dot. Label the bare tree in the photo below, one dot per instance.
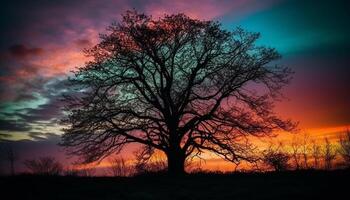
(3, 158)
(305, 150)
(276, 158)
(8, 157)
(295, 151)
(316, 153)
(175, 84)
(44, 166)
(11, 158)
(344, 148)
(329, 154)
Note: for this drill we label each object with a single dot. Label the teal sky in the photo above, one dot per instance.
(300, 27)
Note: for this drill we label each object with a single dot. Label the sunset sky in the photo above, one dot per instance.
(42, 41)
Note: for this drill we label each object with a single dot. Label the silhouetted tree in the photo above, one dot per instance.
(305, 149)
(11, 156)
(8, 157)
(316, 153)
(329, 154)
(3, 160)
(44, 166)
(175, 84)
(344, 148)
(300, 150)
(295, 151)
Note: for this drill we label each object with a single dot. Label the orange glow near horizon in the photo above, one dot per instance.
(211, 162)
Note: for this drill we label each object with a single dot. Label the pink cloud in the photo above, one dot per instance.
(52, 46)
(59, 27)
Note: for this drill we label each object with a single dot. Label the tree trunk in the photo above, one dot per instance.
(12, 167)
(176, 163)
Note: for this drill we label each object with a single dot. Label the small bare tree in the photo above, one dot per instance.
(305, 149)
(295, 152)
(276, 158)
(2, 159)
(44, 166)
(11, 156)
(329, 154)
(344, 148)
(316, 153)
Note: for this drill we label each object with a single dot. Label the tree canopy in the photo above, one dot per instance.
(176, 84)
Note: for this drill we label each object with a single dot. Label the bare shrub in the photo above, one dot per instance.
(44, 166)
(276, 158)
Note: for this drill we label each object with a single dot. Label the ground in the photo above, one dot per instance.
(286, 185)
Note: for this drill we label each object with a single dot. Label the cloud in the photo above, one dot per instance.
(45, 112)
(21, 51)
(42, 136)
(39, 109)
(13, 125)
(45, 39)
(206, 9)
(83, 43)
(4, 135)
(16, 88)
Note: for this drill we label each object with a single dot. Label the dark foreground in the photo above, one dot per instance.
(287, 185)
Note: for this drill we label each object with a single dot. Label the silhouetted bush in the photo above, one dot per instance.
(276, 159)
(44, 166)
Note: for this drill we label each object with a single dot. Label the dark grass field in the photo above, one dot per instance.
(287, 185)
